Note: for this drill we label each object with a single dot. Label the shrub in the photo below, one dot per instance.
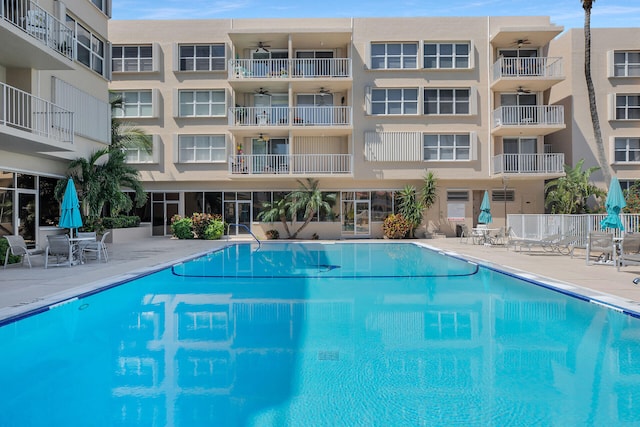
(272, 234)
(100, 224)
(214, 230)
(395, 226)
(4, 247)
(182, 228)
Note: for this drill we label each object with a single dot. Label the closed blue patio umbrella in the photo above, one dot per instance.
(70, 210)
(614, 204)
(485, 210)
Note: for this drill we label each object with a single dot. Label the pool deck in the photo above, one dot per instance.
(23, 289)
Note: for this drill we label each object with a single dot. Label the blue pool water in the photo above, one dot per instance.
(345, 334)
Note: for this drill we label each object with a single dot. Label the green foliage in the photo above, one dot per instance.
(182, 228)
(4, 247)
(429, 190)
(632, 197)
(214, 230)
(395, 226)
(272, 234)
(410, 207)
(569, 194)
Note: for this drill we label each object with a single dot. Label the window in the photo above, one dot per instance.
(446, 101)
(447, 147)
(394, 101)
(447, 55)
(102, 5)
(201, 148)
(628, 107)
(137, 155)
(202, 57)
(627, 149)
(202, 103)
(394, 55)
(133, 104)
(626, 64)
(626, 184)
(503, 195)
(457, 196)
(89, 47)
(132, 59)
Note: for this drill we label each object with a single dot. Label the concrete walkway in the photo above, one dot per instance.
(23, 289)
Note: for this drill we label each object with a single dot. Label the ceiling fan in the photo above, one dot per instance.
(262, 46)
(262, 92)
(521, 42)
(522, 90)
(324, 91)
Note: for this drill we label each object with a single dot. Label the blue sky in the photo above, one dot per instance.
(569, 13)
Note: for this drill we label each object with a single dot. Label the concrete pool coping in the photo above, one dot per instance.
(24, 290)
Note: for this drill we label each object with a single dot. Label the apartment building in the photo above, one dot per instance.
(615, 69)
(240, 110)
(54, 71)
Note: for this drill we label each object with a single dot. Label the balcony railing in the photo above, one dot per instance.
(290, 164)
(38, 23)
(296, 116)
(23, 111)
(528, 67)
(529, 115)
(551, 163)
(285, 68)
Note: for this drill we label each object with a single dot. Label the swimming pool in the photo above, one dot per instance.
(353, 334)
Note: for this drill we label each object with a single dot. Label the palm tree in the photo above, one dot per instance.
(569, 194)
(276, 211)
(310, 200)
(124, 135)
(593, 108)
(410, 207)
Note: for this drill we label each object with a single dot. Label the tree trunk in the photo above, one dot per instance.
(593, 108)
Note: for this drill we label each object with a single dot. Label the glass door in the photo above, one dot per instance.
(238, 212)
(27, 216)
(356, 213)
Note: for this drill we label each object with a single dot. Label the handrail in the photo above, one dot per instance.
(246, 228)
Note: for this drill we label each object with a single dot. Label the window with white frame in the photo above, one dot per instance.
(394, 55)
(208, 57)
(626, 64)
(628, 107)
(447, 55)
(447, 101)
(394, 101)
(89, 47)
(447, 147)
(102, 5)
(201, 148)
(202, 103)
(627, 149)
(137, 155)
(133, 103)
(132, 59)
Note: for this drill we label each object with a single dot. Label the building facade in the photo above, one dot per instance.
(54, 72)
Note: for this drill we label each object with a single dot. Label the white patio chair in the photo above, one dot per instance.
(98, 248)
(59, 247)
(18, 247)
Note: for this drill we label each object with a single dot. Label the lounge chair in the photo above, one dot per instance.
(98, 248)
(629, 250)
(18, 247)
(546, 243)
(465, 234)
(59, 247)
(600, 243)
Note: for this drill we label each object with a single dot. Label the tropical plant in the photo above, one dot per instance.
(125, 135)
(429, 190)
(182, 228)
(569, 194)
(310, 200)
(276, 211)
(593, 107)
(214, 230)
(395, 226)
(632, 197)
(272, 234)
(410, 207)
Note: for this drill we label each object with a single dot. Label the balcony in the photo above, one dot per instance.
(536, 74)
(528, 164)
(290, 164)
(33, 38)
(31, 124)
(290, 116)
(289, 68)
(528, 120)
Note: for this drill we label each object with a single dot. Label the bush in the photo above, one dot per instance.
(4, 247)
(100, 224)
(182, 228)
(214, 230)
(272, 234)
(395, 226)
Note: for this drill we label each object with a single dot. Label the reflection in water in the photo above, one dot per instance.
(483, 349)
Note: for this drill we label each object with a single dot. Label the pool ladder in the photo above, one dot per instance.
(246, 228)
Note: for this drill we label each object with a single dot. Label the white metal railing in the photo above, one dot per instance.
(528, 163)
(284, 68)
(527, 67)
(290, 164)
(297, 116)
(21, 110)
(37, 22)
(528, 115)
(537, 226)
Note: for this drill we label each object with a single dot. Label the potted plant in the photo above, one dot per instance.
(272, 234)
